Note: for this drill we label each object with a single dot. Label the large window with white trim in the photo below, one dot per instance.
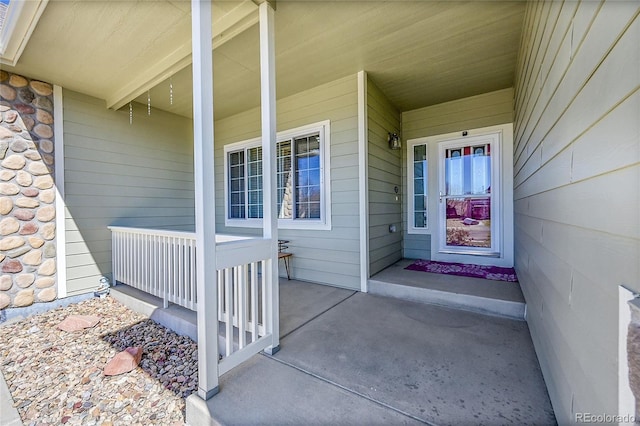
(302, 178)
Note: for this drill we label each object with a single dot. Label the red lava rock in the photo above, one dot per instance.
(77, 405)
(78, 322)
(124, 361)
(12, 266)
(65, 419)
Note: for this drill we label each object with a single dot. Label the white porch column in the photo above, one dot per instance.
(269, 191)
(204, 200)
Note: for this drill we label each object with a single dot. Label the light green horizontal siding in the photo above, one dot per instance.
(576, 177)
(384, 174)
(332, 256)
(484, 110)
(116, 173)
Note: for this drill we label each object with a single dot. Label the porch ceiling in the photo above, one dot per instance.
(418, 53)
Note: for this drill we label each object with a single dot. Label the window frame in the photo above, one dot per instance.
(323, 128)
(411, 228)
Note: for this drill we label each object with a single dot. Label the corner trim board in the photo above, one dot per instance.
(61, 240)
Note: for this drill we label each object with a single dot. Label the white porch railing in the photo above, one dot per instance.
(163, 263)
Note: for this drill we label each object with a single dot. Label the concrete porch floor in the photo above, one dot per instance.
(355, 358)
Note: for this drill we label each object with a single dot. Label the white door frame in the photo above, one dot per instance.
(505, 258)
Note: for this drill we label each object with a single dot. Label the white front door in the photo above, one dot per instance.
(469, 196)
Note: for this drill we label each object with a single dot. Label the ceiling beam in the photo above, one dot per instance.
(224, 29)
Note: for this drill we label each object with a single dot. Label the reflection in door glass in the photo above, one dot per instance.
(468, 170)
(469, 222)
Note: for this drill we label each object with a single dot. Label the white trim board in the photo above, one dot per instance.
(61, 237)
(363, 178)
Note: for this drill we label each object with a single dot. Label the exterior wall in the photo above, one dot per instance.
(463, 114)
(116, 173)
(333, 256)
(576, 175)
(385, 174)
(27, 192)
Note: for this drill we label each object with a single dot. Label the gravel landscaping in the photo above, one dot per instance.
(55, 377)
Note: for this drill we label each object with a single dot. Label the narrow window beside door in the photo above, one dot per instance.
(418, 218)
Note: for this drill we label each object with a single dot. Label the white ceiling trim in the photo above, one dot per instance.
(225, 29)
(19, 22)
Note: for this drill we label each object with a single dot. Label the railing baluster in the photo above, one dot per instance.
(139, 259)
(155, 270)
(236, 278)
(220, 295)
(264, 295)
(125, 245)
(145, 263)
(174, 276)
(242, 306)
(162, 272)
(127, 257)
(115, 258)
(228, 306)
(254, 301)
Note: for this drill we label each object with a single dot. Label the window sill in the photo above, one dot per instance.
(419, 231)
(282, 224)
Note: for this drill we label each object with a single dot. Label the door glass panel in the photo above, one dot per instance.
(467, 196)
(468, 222)
(468, 170)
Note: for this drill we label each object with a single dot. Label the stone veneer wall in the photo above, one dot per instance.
(27, 193)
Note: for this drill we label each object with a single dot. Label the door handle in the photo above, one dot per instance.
(440, 196)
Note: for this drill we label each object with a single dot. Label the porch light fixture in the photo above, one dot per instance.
(394, 141)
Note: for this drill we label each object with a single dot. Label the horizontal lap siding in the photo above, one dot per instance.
(385, 173)
(116, 173)
(332, 256)
(576, 179)
(484, 110)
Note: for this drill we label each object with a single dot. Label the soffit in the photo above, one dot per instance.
(418, 53)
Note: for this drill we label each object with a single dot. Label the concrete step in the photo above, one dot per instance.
(458, 299)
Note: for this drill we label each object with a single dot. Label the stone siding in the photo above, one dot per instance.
(27, 192)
